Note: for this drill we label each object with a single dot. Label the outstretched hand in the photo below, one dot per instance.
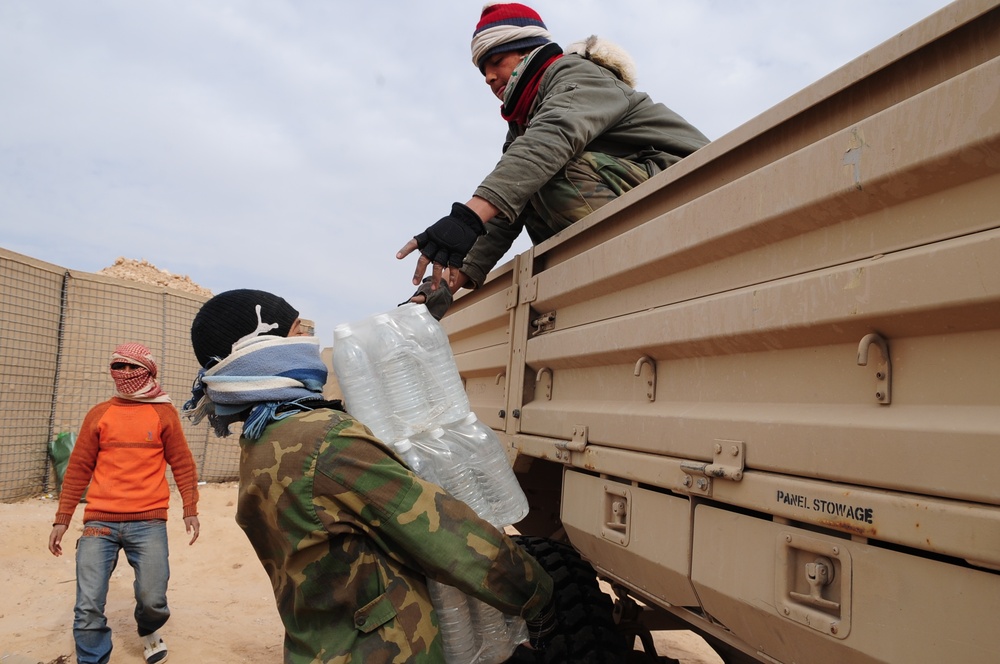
(445, 243)
(437, 300)
(422, 263)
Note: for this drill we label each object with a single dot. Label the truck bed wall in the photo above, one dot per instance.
(789, 342)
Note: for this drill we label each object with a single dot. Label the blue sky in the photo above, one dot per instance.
(295, 145)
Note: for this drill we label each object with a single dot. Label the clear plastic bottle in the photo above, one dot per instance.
(517, 630)
(418, 460)
(489, 460)
(454, 471)
(447, 396)
(471, 632)
(401, 377)
(359, 383)
(454, 622)
(490, 627)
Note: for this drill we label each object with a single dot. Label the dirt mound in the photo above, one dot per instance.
(146, 273)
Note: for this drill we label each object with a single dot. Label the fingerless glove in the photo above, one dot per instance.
(448, 240)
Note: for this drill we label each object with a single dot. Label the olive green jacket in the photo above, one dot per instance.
(347, 535)
(580, 107)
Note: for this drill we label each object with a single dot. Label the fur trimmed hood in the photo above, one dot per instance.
(609, 55)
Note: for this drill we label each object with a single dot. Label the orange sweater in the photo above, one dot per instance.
(122, 451)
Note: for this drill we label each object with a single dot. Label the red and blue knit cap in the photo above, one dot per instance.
(505, 27)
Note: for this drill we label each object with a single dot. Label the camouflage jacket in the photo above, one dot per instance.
(348, 534)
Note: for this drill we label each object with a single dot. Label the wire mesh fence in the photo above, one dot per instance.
(58, 328)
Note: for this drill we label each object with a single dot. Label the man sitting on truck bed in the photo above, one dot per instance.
(579, 136)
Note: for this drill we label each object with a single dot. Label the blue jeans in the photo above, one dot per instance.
(145, 546)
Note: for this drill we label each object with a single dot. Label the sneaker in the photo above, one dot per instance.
(153, 648)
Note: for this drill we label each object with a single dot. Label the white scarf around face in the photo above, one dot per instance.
(262, 375)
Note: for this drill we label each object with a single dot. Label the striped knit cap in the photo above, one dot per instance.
(504, 27)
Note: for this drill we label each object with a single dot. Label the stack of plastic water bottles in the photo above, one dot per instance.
(399, 378)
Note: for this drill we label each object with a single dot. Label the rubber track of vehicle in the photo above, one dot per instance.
(585, 631)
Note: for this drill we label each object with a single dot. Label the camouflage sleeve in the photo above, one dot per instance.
(424, 527)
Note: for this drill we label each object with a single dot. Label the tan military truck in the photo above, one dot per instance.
(760, 394)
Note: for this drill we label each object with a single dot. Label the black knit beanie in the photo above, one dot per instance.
(230, 316)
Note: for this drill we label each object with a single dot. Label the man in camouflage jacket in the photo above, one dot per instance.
(346, 532)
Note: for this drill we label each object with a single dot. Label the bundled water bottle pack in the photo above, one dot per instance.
(399, 378)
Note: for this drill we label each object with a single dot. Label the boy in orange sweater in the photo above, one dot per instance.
(122, 452)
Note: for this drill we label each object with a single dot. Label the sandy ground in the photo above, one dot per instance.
(222, 609)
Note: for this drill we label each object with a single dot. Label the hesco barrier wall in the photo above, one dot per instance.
(58, 328)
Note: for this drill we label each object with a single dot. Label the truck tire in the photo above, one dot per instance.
(585, 628)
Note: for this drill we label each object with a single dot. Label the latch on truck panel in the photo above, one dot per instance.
(544, 323)
(581, 437)
(727, 464)
(819, 574)
(813, 583)
(578, 443)
(616, 514)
